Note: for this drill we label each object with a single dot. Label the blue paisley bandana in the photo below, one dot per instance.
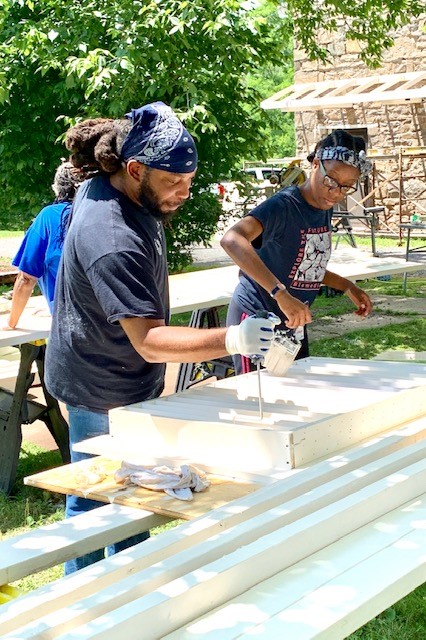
(159, 140)
(348, 156)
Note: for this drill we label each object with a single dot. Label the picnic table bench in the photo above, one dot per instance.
(314, 550)
(315, 555)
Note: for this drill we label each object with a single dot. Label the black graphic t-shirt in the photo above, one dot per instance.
(113, 266)
(295, 245)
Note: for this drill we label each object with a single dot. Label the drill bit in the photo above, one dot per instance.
(257, 360)
(259, 390)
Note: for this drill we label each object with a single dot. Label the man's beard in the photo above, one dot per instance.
(149, 201)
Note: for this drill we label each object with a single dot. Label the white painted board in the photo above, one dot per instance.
(323, 405)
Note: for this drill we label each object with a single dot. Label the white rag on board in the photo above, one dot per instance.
(176, 483)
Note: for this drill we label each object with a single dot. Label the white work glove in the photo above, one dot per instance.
(252, 337)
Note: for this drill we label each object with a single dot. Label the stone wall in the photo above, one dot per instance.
(389, 127)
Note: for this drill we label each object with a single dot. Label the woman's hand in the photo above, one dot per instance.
(360, 299)
(298, 313)
(5, 326)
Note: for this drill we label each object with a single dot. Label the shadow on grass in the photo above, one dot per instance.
(33, 459)
(367, 343)
(29, 506)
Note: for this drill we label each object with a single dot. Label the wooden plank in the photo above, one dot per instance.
(272, 608)
(232, 539)
(341, 431)
(202, 289)
(356, 264)
(284, 405)
(413, 431)
(362, 398)
(408, 355)
(336, 84)
(74, 479)
(303, 95)
(217, 403)
(371, 84)
(214, 287)
(53, 544)
(349, 601)
(215, 408)
(34, 324)
(208, 444)
(192, 594)
(183, 540)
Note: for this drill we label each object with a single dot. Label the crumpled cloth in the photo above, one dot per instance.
(175, 483)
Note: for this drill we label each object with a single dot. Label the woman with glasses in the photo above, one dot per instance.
(283, 246)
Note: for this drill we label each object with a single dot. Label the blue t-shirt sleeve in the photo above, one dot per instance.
(31, 255)
(125, 286)
(272, 215)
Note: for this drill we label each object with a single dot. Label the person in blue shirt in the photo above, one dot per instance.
(38, 256)
(283, 245)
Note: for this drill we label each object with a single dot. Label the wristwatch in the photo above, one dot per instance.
(278, 287)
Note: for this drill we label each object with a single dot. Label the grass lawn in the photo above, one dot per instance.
(29, 507)
(387, 242)
(10, 234)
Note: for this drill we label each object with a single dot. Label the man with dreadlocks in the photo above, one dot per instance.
(110, 336)
(38, 256)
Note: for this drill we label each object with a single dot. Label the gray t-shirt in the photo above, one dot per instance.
(113, 266)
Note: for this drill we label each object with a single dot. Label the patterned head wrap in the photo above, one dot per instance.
(159, 140)
(348, 156)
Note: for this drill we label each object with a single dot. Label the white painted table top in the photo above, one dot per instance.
(34, 324)
(214, 287)
(208, 288)
(321, 406)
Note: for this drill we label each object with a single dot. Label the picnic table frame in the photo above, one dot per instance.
(409, 227)
(16, 408)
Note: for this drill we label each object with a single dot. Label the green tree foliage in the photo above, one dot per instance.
(371, 23)
(268, 78)
(279, 140)
(64, 60)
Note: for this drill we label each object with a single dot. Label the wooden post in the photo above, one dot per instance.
(53, 417)
(401, 186)
(10, 423)
(11, 420)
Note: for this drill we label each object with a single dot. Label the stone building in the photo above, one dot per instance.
(386, 106)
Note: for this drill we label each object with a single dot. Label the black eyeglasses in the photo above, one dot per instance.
(331, 184)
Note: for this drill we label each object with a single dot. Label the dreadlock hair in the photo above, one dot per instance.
(65, 184)
(66, 181)
(96, 144)
(339, 138)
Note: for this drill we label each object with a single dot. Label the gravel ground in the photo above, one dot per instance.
(215, 255)
(9, 246)
(383, 306)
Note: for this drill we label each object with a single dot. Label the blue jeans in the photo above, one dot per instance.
(85, 424)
